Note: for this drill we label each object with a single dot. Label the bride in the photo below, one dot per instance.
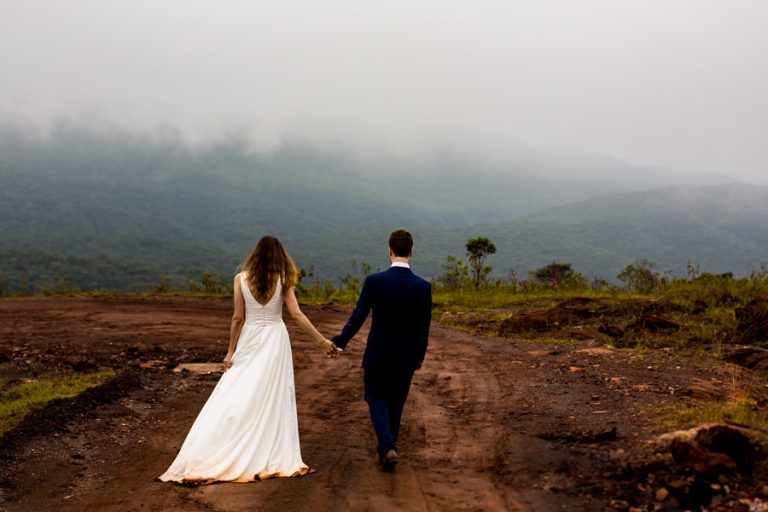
(247, 430)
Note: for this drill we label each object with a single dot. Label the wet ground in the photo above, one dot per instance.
(490, 424)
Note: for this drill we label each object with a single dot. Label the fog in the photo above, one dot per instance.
(679, 84)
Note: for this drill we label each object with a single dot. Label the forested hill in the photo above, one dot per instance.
(722, 228)
(102, 207)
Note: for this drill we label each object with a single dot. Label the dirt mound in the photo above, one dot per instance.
(573, 311)
(601, 316)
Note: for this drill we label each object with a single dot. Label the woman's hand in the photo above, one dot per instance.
(228, 361)
(330, 348)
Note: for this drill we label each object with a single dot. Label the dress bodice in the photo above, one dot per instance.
(260, 314)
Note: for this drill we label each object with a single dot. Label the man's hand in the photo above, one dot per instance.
(331, 350)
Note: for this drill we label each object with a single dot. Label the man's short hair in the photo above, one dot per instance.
(401, 243)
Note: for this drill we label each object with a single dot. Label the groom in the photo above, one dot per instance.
(397, 342)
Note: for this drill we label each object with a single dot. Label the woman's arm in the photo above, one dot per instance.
(238, 318)
(293, 308)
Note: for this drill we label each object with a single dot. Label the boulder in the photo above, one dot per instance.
(731, 442)
(704, 462)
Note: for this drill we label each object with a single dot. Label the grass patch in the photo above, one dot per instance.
(744, 411)
(21, 399)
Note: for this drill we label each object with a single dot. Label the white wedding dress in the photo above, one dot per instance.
(247, 430)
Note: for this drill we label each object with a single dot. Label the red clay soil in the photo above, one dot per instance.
(490, 424)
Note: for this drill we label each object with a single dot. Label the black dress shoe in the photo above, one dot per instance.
(388, 461)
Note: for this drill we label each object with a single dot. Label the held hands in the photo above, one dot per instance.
(330, 349)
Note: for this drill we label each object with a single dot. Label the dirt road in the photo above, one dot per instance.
(490, 424)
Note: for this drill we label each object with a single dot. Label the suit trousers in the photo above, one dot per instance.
(385, 393)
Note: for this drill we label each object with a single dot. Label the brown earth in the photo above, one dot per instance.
(490, 424)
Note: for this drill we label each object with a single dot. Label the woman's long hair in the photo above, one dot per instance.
(266, 263)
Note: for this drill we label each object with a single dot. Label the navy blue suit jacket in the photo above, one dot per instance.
(401, 303)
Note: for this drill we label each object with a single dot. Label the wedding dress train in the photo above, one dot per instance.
(247, 430)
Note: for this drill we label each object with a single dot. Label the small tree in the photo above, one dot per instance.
(164, 285)
(478, 250)
(559, 275)
(456, 273)
(211, 285)
(642, 276)
(553, 273)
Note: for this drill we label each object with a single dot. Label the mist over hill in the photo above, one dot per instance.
(104, 207)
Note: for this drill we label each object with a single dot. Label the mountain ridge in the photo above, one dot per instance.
(156, 207)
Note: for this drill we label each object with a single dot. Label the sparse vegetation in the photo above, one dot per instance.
(326, 292)
(456, 274)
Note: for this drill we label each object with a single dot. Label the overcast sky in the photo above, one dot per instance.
(678, 83)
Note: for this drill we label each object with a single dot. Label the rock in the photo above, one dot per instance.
(654, 324)
(704, 462)
(753, 321)
(614, 331)
(704, 389)
(751, 357)
(619, 505)
(595, 351)
(200, 368)
(661, 494)
(82, 365)
(731, 442)
(153, 363)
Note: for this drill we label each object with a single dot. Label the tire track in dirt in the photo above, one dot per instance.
(444, 449)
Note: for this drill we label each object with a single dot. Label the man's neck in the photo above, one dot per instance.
(400, 262)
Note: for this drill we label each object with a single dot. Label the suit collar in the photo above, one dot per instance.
(401, 270)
